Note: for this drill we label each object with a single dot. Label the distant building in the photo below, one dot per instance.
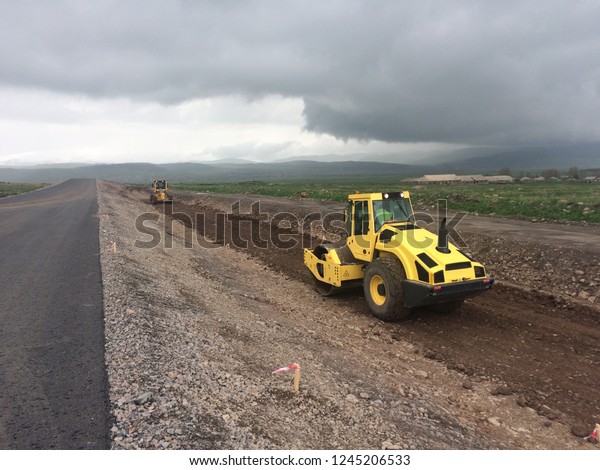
(446, 178)
(472, 178)
(451, 178)
(502, 179)
(439, 179)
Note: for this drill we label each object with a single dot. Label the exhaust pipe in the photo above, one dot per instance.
(443, 238)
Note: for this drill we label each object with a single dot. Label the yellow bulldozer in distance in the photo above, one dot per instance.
(399, 265)
(160, 192)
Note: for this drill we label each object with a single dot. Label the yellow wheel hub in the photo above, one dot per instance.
(377, 290)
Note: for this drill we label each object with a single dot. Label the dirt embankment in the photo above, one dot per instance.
(195, 330)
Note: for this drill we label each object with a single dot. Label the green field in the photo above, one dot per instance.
(12, 189)
(561, 201)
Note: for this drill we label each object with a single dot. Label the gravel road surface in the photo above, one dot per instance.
(195, 325)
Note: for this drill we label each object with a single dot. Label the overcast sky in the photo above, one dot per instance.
(192, 80)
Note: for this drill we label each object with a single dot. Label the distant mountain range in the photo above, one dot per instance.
(467, 161)
(202, 172)
(583, 156)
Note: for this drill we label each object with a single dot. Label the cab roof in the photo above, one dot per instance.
(379, 196)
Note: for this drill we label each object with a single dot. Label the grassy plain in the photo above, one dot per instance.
(561, 201)
(12, 189)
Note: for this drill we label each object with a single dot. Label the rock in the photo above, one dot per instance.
(387, 445)
(144, 398)
(548, 412)
(580, 431)
(494, 421)
(129, 311)
(422, 374)
(544, 410)
(351, 398)
(364, 395)
(583, 295)
(467, 384)
(430, 354)
(502, 390)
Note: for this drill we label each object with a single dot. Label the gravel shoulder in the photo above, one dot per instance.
(193, 334)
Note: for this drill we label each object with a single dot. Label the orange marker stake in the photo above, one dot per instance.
(296, 368)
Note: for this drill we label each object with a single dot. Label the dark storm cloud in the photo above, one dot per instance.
(440, 71)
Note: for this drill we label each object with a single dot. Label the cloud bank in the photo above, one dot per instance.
(484, 73)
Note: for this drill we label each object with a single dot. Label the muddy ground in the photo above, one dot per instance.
(514, 368)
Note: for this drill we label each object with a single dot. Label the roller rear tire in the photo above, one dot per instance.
(383, 289)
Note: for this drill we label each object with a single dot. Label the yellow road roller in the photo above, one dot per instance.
(399, 264)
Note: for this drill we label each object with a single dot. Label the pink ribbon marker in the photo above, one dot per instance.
(287, 369)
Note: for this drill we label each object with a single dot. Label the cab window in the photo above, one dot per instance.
(391, 210)
(361, 217)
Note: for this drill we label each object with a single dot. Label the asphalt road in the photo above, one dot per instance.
(53, 384)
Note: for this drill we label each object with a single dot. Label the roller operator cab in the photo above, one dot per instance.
(399, 265)
(160, 192)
